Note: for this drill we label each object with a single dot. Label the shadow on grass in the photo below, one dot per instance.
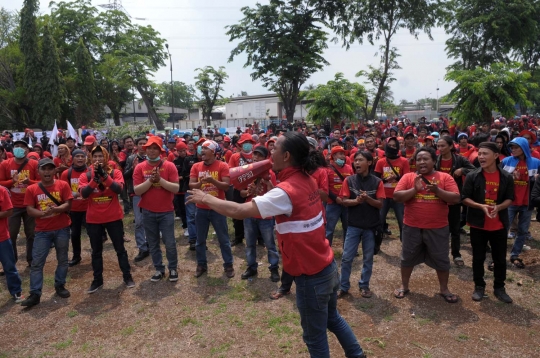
(435, 309)
(508, 313)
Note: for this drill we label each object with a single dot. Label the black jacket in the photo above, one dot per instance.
(474, 188)
(186, 170)
(458, 162)
(363, 216)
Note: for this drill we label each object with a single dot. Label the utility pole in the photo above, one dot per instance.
(437, 97)
(172, 87)
(115, 5)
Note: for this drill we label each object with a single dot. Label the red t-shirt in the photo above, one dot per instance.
(345, 192)
(425, 210)
(218, 170)
(467, 151)
(521, 185)
(103, 206)
(156, 199)
(58, 161)
(321, 177)
(235, 159)
(492, 188)
(5, 205)
(446, 166)
(8, 169)
(228, 154)
(334, 181)
(409, 153)
(78, 204)
(36, 198)
(401, 166)
(535, 154)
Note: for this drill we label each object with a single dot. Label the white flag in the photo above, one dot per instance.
(54, 138)
(73, 133)
(30, 141)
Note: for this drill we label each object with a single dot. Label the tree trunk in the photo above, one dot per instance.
(116, 117)
(380, 90)
(151, 111)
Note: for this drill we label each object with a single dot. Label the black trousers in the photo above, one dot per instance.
(115, 229)
(29, 224)
(238, 224)
(286, 282)
(78, 220)
(497, 240)
(454, 218)
(180, 208)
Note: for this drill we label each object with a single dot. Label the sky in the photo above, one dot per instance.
(195, 31)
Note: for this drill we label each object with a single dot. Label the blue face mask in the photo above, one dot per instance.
(340, 162)
(196, 138)
(18, 153)
(247, 147)
(153, 160)
(199, 150)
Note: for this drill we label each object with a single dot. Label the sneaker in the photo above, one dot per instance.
(388, 232)
(274, 275)
(479, 293)
(191, 246)
(200, 270)
(129, 283)
(526, 248)
(186, 232)
(229, 272)
(173, 275)
(248, 273)
(501, 294)
(141, 255)
(177, 218)
(511, 235)
(94, 287)
(18, 297)
(62, 292)
(32, 300)
(157, 276)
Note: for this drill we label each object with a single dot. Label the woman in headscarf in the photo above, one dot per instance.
(114, 151)
(63, 159)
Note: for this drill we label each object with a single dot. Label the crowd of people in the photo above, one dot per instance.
(435, 176)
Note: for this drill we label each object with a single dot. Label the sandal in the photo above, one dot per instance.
(459, 261)
(517, 262)
(491, 266)
(366, 293)
(279, 294)
(400, 293)
(449, 297)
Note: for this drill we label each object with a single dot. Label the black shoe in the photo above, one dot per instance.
(94, 287)
(104, 238)
(200, 271)
(157, 276)
(141, 255)
(229, 272)
(74, 261)
(237, 242)
(62, 292)
(129, 283)
(501, 294)
(32, 300)
(479, 293)
(388, 232)
(249, 273)
(173, 275)
(274, 275)
(191, 246)
(341, 293)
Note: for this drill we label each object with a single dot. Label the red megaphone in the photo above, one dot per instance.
(242, 176)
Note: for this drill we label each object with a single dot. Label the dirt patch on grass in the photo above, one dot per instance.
(218, 317)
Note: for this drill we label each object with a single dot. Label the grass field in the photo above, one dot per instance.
(218, 317)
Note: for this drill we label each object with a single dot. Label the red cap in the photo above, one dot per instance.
(181, 146)
(155, 140)
(531, 134)
(246, 137)
(227, 139)
(337, 149)
(89, 140)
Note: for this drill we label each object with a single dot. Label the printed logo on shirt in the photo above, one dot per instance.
(147, 174)
(388, 173)
(101, 200)
(426, 196)
(44, 202)
(523, 179)
(19, 187)
(209, 188)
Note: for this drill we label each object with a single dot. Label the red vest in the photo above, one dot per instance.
(301, 236)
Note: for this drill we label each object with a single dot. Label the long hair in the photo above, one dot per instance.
(298, 146)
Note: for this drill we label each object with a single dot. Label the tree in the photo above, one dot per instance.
(480, 91)
(380, 19)
(337, 99)
(52, 84)
(284, 44)
(29, 45)
(374, 78)
(184, 95)
(209, 83)
(87, 102)
(8, 27)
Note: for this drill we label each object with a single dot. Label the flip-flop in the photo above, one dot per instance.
(449, 297)
(517, 262)
(400, 293)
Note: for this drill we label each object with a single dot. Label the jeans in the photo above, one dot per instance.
(497, 241)
(29, 223)
(398, 211)
(333, 213)
(354, 236)
(203, 218)
(42, 245)
(286, 281)
(115, 229)
(524, 221)
(154, 223)
(191, 210)
(180, 208)
(78, 219)
(140, 235)
(125, 200)
(7, 259)
(454, 219)
(265, 228)
(316, 298)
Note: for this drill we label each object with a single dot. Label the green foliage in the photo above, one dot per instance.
(337, 99)
(482, 90)
(184, 95)
(9, 26)
(51, 89)
(209, 83)
(87, 102)
(30, 49)
(135, 131)
(284, 44)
